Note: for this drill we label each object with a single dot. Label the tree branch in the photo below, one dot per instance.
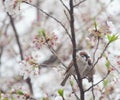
(97, 82)
(77, 98)
(80, 85)
(28, 80)
(67, 16)
(16, 35)
(64, 5)
(53, 51)
(101, 54)
(79, 3)
(96, 49)
(1, 52)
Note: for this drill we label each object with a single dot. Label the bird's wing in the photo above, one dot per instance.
(69, 67)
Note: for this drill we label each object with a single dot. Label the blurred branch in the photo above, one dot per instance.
(46, 65)
(96, 49)
(16, 35)
(38, 13)
(66, 16)
(3, 23)
(64, 5)
(54, 53)
(52, 58)
(79, 3)
(52, 18)
(28, 80)
(101, 54)
(1, 52)
(1, 91)
(113, 66)
(77, 98)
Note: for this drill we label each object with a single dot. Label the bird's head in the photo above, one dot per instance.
(84, 55)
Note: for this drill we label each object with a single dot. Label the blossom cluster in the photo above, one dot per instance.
(16, 94)
(40, 40)
(101, 30)
(29, 67)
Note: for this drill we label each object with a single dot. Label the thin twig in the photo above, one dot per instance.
(46, 65)
(64, 5)
(97, 82)
(113, 66)
(101, 54)
(96, 50)
(66, 16)
(38, 13)
(52, 18)
(53, 51)
(77, 98)
(99, 58)
(79, 3)
(63, 98)
(1, 52)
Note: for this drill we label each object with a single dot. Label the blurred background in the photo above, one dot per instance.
(27, 64)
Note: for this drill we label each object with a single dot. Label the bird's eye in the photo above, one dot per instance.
(83, 57)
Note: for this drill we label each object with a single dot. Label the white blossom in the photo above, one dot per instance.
(29, 67)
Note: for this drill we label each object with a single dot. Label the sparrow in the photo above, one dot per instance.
(84, 65)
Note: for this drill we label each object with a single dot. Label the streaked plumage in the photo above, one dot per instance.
(84, 65)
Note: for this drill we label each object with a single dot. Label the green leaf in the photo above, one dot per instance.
(112, 38)
(91, 98)
(0, 95)
(72, 83)
(5, 99)
(107, 64)
(115, 37)
(95, 24)
(61, 92)
(109, 37)
(12, 98)
(42, 33)
(20, 93)
(105, 82)
(43, 98)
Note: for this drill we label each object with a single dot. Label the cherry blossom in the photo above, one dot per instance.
(40, 40)
(29, 67)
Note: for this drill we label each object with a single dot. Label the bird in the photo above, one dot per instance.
(84, 66)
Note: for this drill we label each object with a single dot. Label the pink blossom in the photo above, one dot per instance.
(40, 40)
